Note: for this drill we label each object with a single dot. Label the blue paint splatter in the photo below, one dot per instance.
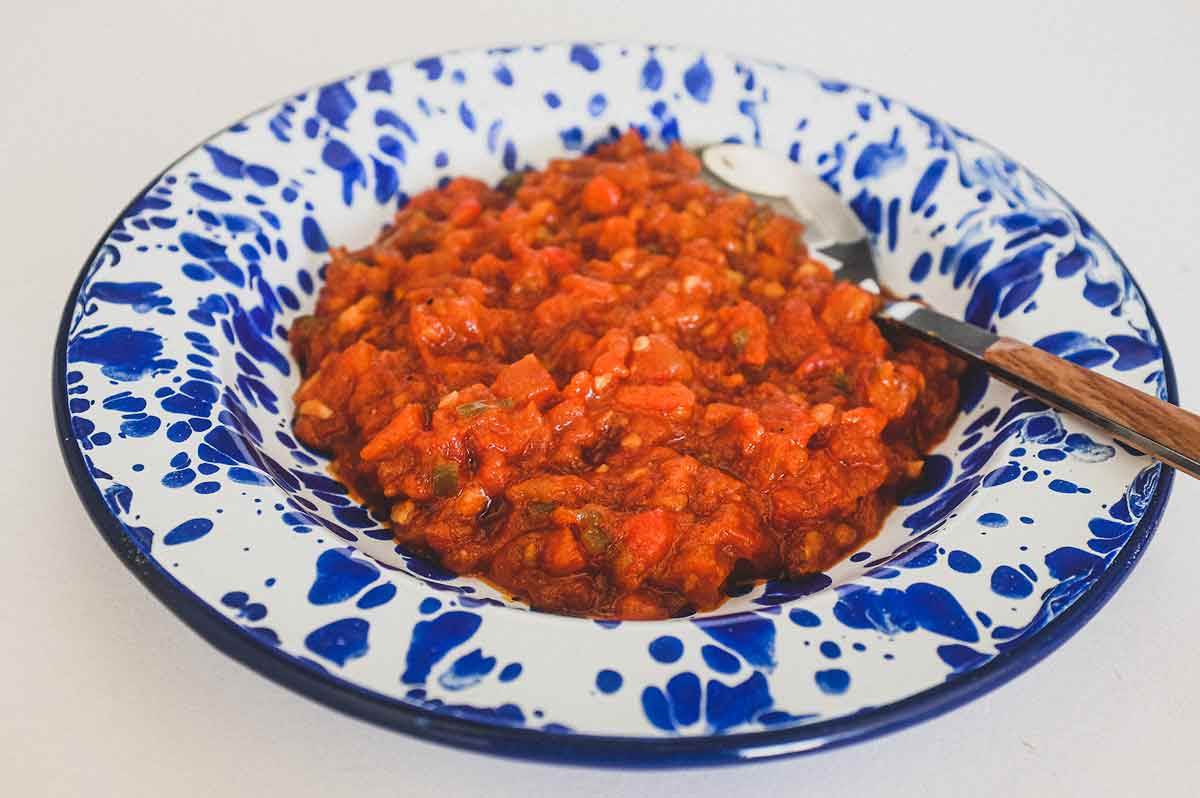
(726, 707)
(926, 185)
(335, 103)
(235, 598)
(178, 479)
(891, 611)
(192, 529)
(1069, 562)
(314, 238)
(1010, 583)
(719, 659)
(880, 158)
(597, 104)
(652, 74)
(386, 118)
(666, 649)
(803, 617)
(920, 267)
(392, 146)
(211, 193)
(336, 155)
(245, 476)
(376, 596)
(1082, 447)
(961, 658)
(609, 681)
(503, 75)
(867, 206)
(585, 57)
(698, 80)
(657, 709)
(432, 67)
(339, 577)
(1132, 352)
(140, 427)
(749, 634)
(224, 163)
(123, 354)
(963, 562)
(379, 80)
(684, 690)
(467, 671)
(433, 639)
(1083, 350)
(1019, 275)
(833, 681)
(466, 116)
(572, 138)
(339, 641)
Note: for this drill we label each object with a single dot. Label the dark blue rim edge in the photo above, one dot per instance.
(578, 749)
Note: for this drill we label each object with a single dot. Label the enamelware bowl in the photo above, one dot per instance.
(173, 385)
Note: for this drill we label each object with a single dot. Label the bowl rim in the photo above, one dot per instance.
(575, 748)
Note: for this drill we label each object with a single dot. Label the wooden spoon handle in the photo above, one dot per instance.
(1162, 430)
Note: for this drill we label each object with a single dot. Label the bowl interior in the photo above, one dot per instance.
(276, 292)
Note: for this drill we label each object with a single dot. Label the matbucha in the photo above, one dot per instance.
(611, 390)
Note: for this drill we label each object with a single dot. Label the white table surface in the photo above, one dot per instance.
(104, 692)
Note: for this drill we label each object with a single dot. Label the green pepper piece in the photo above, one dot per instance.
(740, 337)
(592, 533)
(511, 182)
(472, 409)
(445, 479)
(594, 539)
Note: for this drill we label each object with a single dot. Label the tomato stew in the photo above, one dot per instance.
(610, 390)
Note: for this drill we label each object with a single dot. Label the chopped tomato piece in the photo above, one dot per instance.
(525, 381)
(601, 196)
(644, 539)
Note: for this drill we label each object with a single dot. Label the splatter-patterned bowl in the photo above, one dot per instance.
(173, 389)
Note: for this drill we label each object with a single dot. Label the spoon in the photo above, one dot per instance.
(1161, 430)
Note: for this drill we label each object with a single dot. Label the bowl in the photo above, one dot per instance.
(173, 385)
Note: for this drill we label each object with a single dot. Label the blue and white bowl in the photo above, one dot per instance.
(173, 386)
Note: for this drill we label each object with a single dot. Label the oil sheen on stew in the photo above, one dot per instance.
(610, 390)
